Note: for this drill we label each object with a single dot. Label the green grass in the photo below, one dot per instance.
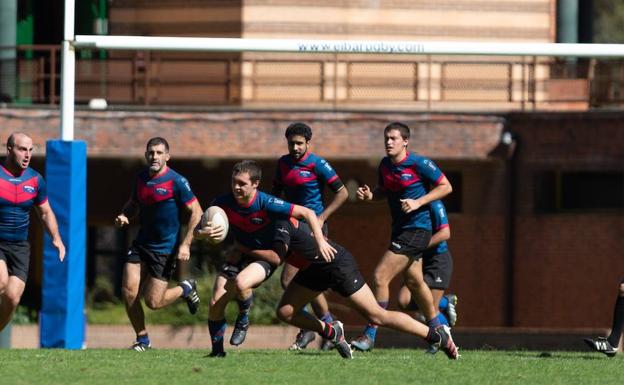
(273, 367)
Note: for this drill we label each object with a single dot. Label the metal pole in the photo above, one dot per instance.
(68, 74)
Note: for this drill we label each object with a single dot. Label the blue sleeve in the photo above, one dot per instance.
(438, 215)
(184, 194)
(42, 191)
(277, 206)
(324, 170)
(428, 171)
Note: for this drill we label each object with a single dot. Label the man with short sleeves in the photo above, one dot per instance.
(251, 215)
(301, 176)
(21, 188)
(404, 180)
(158, 195)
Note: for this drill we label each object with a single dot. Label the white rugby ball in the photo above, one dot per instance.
(216, 216)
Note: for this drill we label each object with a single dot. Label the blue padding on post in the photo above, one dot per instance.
(62, 323)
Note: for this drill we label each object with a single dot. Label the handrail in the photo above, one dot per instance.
(426, 82)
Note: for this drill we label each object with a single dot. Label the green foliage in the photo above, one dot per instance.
(308, 367)
(608, 21)
(266, 298)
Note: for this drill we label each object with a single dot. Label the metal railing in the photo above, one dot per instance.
(30, 75)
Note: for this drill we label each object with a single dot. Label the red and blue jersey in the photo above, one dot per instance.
(18, 194)
(439, 220)
(253, 225)
(302, 180)
(408, 179)
(160, 198)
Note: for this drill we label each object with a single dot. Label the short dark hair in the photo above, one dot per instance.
(249, 166)
(402, 128)
(299, 128)
(156, 141)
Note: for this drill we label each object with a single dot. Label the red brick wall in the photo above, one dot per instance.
(566, 266)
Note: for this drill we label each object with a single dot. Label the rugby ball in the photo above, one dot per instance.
(217, 216)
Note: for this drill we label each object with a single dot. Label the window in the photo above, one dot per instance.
(557, 191)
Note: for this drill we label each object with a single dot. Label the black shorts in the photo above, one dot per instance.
(410, 242)
(16, 254)
(437, 270)
(160, 266)
(341, 275)
(230, 271)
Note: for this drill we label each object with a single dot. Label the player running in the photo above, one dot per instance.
(158, 196)
(341, 274)
(301, 176)
(404, 180)
(22, 189)
(251, 214)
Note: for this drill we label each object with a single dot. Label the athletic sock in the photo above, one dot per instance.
(243, 309)
(327, 317)
(443, 319)
(217, 330)
(328, 331)
(144, 339)
(186, 288)
(435, 321)
(618, 322)
(443, 303)
(371, 329)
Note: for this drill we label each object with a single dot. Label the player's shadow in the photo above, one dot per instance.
(553, 355)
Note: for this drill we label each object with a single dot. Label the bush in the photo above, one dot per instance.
(262, 312)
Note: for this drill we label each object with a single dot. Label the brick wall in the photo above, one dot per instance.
(566, 266)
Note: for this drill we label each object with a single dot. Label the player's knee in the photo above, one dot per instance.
(12, 299)
(152, 303)
(129, 294)
(241, 285)
(380, 279)
(285, 313)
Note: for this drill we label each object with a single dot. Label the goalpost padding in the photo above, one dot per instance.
(62, 323)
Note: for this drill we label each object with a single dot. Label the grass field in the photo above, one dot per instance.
(259, 367)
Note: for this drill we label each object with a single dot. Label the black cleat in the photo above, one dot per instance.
(342, 346)
(602, 345)
(140, 346)
(239, 333)
(446, 343)
(303, 339)
(214, 354)
(192, 298)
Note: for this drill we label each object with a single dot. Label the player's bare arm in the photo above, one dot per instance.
(444, 234)
(49, 222)
(326, 251)
(129, 211)
(442, 189)
(184, 250)
(341, 197)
